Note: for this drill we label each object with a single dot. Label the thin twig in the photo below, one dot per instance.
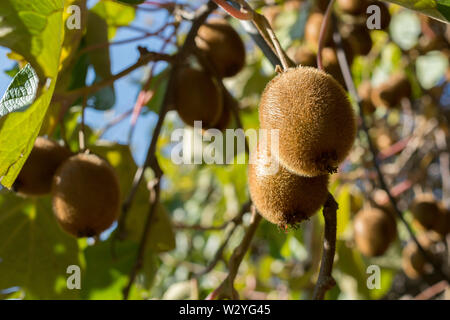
(323, 32)
(325, 281)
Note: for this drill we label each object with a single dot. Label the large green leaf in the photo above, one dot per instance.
(115, 14)
(34, 251)
(21, 92)
(34, 30)
(438, 9)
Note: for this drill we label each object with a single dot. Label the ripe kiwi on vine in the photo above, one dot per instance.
(314, 117)
(198, 97)
(280, 196)
(414, 263)
(223, 46)
(390, 93)
(364, 92)
(36, 175)
(86, 195)
(426, 212)
(312, 30)
(375, 229)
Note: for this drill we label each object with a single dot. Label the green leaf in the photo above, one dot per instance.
(344, 212)
(21, 92)
(115, 14)
(32, 29)
(34, 251)
(438, 9)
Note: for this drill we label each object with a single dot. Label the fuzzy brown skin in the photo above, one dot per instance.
(314, 117)
(364, 92)
(390, 93)
(223, 45)
(197, 97)
(331, 65)
(86, 195)
(283, 198)
(312, 30)
(36, 175)
(426, 212)
(374, 229)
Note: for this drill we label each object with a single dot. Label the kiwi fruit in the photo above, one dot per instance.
(223, 46)
(331, 64)
(283, 198)
(357, 38)
(413, 261)
(304, 56)
(86, 195)
(390, 93)
(312, 30)
(375, 229)
(36, 175)
(426, 212)
(198, 97)
(364, 92)
(353, 7)
(314, 117)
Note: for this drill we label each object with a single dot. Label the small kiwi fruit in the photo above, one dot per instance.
(36, 175)
(304, 56)
(282, 197)
(314, 117)
(375, 229)
(331, 64)
(358, 39)
(426, 212)
(312, 30)
(413, 261)
(390, 93)
(223, 45)
(198, 97)
(364, 92)
(86, 195)
(353, 7)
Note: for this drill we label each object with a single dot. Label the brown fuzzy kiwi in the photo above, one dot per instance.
(86, 195)
(358, 39)
(364, 92)
(312, 30)
(304, 56)
(36, 175)
(331, 64)
(197, 97)
(282, 197)
(413, 261)
(353, 7)
(315, 119)
(390, 93)
(375, 229)
(223, 45)
(426, 212)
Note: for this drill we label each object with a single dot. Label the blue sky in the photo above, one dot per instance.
(122, 56)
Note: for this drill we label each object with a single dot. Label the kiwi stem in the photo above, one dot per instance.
(323, 31)
(345, 69)
(325, 281)
(232, 11)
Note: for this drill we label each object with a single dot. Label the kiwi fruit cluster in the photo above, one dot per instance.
(84, 187)
(198, 94)
(374, 230)
(315, 123)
